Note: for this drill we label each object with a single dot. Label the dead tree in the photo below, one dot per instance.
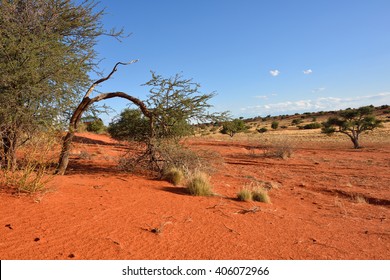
(83, 106)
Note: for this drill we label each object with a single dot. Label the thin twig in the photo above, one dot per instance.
(250, 210)
(231, 230)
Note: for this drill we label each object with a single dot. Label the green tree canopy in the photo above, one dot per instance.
(352, 122)
(46, 53)
(232, 127)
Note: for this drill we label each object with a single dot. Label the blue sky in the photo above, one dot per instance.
(260, 56)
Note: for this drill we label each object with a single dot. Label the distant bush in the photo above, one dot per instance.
(262, 130)
(233, 127)
(313, 125)
(296, 121)
(274, 125)
(96, 126)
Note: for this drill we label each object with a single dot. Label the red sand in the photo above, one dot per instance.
(331, 204)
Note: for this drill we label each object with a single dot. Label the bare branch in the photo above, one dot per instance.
(92, 87)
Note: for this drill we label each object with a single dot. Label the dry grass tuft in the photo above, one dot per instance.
(173, 175)
(261, 195)
(244, 195)
(199, 185)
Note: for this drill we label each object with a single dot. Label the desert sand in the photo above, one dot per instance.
(329, 201)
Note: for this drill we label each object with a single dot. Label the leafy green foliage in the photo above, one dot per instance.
(96, 126)
(352, 122)
(313, 125)
(274, 124)
(46, 53)
(131, 125)
(173, 104)
(233, 127)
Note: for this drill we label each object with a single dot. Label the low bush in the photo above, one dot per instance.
(314, 125)
(296, 121)
(274, 124)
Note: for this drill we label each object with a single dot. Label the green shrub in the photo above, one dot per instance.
(244, 195)
(262, 130)
(96, 126)
(313, 125)
(296, 121)
(199, 185)
(274, 125)
(233, 127)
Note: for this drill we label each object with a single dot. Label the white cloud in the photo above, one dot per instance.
(318, 90)
(319, 104)
(274, 73)
(307, 72)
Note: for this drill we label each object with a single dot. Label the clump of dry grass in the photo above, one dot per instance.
(199, 185)
(261, 195)
(282, 151)
(33, 169)
(258, 191)
(244, 195)
(173, 175)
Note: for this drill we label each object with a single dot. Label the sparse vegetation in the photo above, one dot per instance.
(282, 150)
(262, 130)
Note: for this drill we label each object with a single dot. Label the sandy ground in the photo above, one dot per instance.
(328, 202)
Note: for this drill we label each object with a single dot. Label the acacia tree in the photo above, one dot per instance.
(233, 127)
(46, 53)
(174, 104)
(352, 122)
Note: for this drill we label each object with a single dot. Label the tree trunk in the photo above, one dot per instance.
(75, 119)
(9, 148)
(85, 103)
(65, 152)
(355, 141)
